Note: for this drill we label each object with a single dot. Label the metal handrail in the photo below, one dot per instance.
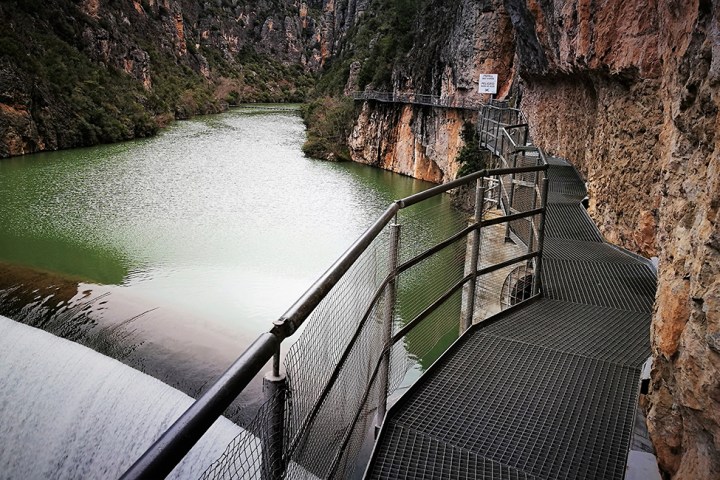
(417, 99)
(162, 457)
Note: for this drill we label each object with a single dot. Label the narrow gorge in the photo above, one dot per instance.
(625, 91)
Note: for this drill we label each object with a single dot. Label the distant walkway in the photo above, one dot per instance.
(418, 99)
(547, 390)
(275, 107)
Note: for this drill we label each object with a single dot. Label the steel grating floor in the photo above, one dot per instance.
(570, 222)
(562, 249)
(545, 391)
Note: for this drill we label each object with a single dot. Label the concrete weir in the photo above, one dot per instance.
(67, 411)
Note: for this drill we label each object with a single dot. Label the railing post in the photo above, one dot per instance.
(531, 220)
(388, 318)
(541, 237)
(481, 126)
(273, 439)
(511, 196)
(474, 243)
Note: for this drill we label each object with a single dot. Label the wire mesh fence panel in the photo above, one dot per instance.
(331, 413)
(424, 344)
(326, 436)
(351, 460)
(246, 457)
(419, 235)
(333, 360)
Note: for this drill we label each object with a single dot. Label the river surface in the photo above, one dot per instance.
(173, 253)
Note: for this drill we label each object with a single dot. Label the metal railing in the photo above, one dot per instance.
(385, 309)
(419, 99)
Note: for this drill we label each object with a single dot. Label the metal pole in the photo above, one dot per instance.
(541, 237)
(276, 363)
(474, 254)
(273, 440)
(531, 220)
(388, 317)
(502, 141)
(510, 199)
(481, 123)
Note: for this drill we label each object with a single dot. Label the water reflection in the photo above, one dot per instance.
(179, 250)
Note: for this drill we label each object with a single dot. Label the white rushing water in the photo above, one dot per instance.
(69, 412)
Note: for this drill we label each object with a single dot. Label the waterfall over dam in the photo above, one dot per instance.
(67, 411)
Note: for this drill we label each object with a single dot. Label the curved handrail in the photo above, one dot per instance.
(161, 458)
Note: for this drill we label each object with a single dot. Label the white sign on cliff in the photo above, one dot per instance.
(488, 83)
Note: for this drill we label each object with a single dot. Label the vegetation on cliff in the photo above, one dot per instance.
(471, 157)
(379, 39)
(382, 37)
(75, 74)
(329, 121)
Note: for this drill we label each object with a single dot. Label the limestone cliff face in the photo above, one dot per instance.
(338, 17)
(83, 72)
(418, 142)
(628, 91)
(453, 43)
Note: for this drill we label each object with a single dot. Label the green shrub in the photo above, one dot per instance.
(329, 121)
(470, 157)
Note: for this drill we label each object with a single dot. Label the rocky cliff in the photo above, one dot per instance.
(81, 72)
(419, 142)
(627, 91)
(448, 46)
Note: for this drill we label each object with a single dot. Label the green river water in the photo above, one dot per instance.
(173, 253)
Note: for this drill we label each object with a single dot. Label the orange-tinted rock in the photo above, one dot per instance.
(628, 91)
(672, 314)
(418, 142)
(424, 142)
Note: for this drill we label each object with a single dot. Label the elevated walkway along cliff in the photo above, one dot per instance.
(546, 390)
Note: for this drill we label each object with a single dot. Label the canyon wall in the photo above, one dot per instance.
(453, 43)
(628, 92)
(416, 141)
(77, 73)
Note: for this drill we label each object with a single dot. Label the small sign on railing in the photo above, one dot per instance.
(488, 83)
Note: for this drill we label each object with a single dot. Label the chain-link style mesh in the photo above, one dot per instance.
(376, 331)
(336, 394)
(243, 457)
(332, 362)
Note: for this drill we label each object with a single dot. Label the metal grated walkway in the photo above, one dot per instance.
(548, 390)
